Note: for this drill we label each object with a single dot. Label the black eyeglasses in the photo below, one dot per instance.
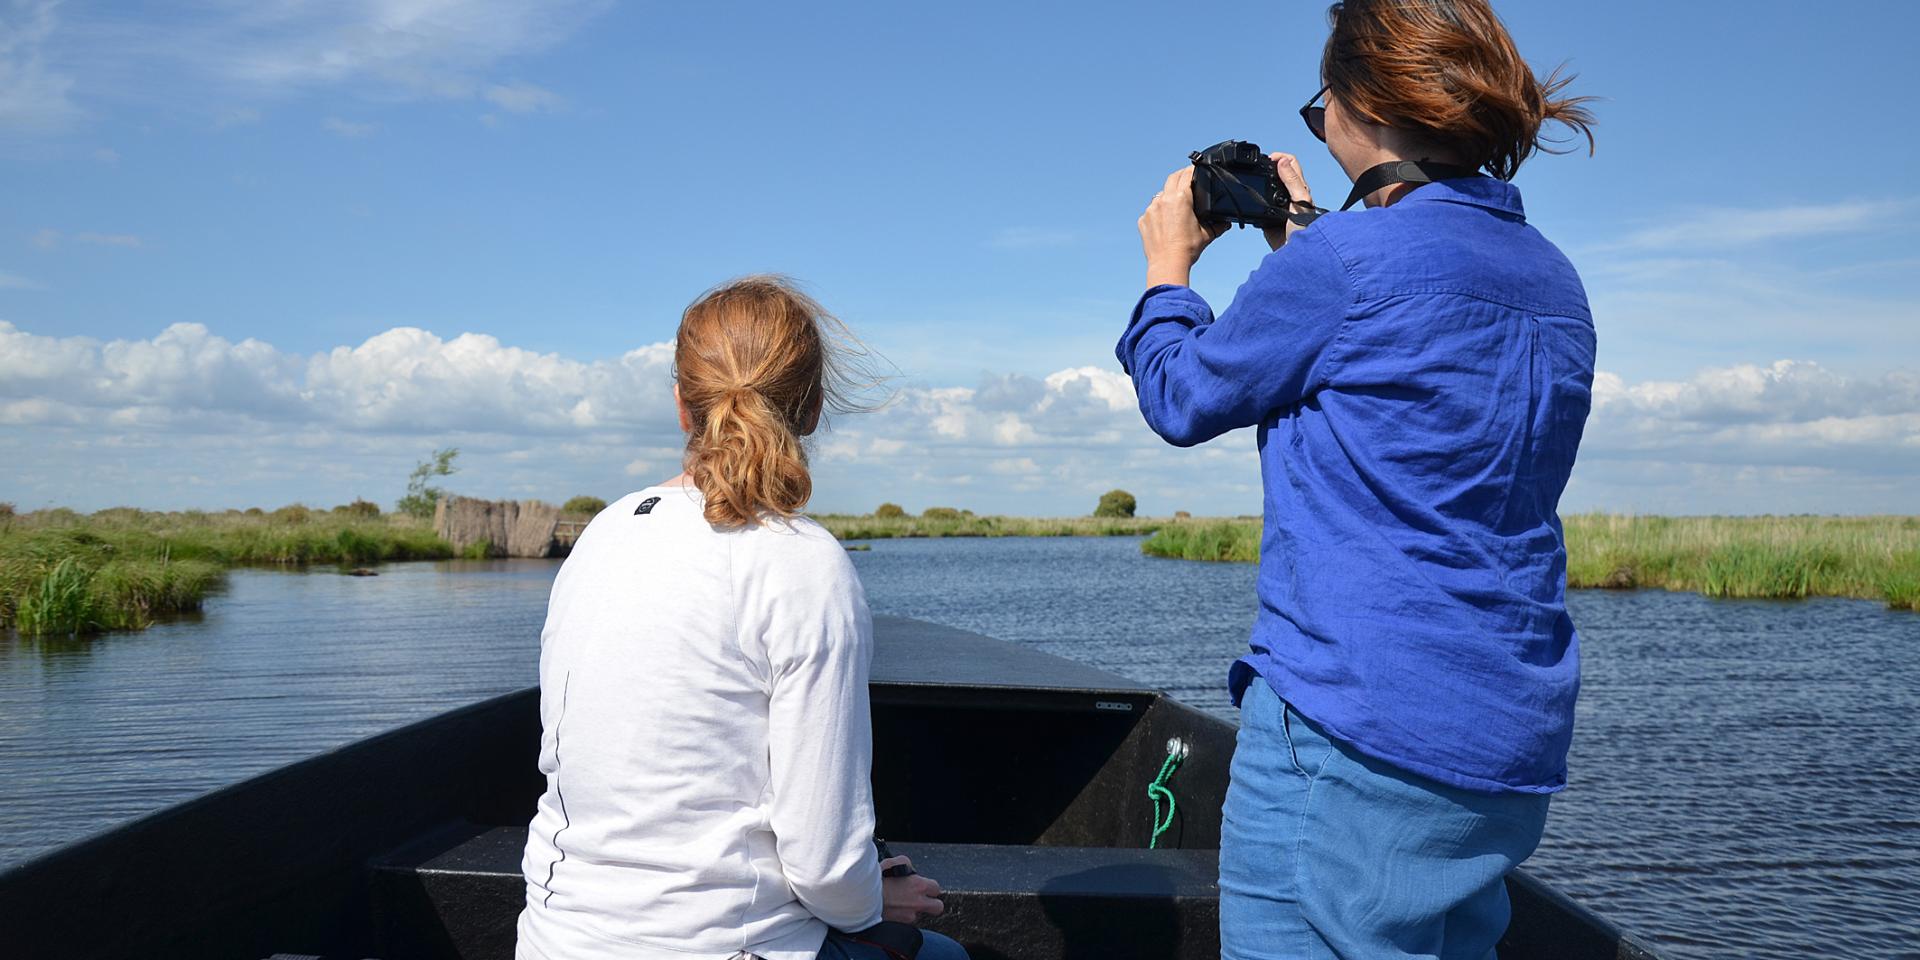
(1316, 117)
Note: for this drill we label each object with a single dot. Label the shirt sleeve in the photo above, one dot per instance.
(1198, 377)
(820, 749)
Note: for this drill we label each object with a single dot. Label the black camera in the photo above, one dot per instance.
(1233, 182)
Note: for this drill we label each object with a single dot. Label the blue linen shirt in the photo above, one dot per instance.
(1420, 375)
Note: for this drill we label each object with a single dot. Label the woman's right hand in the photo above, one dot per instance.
(1288, 168)
(908, 899)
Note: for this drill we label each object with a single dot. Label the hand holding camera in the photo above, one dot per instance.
(1228, 183)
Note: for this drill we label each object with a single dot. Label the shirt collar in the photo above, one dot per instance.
(1494, 194)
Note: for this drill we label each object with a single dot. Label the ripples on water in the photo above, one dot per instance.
(1746, 775)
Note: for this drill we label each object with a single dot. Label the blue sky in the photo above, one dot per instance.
(393, 225)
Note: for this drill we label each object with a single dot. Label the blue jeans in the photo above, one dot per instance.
(1325, 853)
(936, 947)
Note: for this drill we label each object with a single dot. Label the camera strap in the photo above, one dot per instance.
(1386, 175)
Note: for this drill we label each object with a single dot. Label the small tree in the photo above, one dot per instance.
(940, 513)
(1115, 503)
(584, 504)
(889, 511)
(421, 497)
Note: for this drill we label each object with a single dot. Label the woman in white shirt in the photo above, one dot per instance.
(703, 685)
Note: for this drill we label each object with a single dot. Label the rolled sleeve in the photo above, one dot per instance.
(1198, 377)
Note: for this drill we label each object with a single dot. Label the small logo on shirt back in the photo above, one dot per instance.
(646, 506)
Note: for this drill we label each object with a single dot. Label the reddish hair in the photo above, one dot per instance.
(1447, 72)
(757, 362)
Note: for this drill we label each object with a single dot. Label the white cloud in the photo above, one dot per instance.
(33, 96)
(403, 381)
(1712, 228)
(520, 97)
(1790, 435)
(234, 55)
(1721, 287)
(349, 129)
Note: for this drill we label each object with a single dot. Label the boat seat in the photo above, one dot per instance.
(459, 894)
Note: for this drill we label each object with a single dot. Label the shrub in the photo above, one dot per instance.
(1182, 515)
(583, 504)
(6, 510)
(940, 513)
(293, 513)
(359, 508)
(356, 547)
(1115, 503)
(477, 550)
(889, 511)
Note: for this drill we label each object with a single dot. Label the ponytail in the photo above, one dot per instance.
(759, 364)
(747, 459)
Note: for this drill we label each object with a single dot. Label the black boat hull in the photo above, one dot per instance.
(1024, 793)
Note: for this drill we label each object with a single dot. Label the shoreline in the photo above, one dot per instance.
(1764, 557)
(66, 573)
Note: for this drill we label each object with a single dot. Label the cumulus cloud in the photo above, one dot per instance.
(405, 380)
(183, 402)
(1780, 413)
(1787, 437)
(244, 416)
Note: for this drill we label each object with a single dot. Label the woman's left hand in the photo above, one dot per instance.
(908, 899)
(1171, 235)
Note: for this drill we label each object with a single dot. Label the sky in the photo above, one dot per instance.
(257, 252)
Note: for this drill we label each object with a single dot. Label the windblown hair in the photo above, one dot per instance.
(1447, 72)
(759, 364)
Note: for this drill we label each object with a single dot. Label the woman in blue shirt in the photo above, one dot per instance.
(1419, 373)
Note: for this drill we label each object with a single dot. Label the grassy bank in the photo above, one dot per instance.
(848, 527)
(1876, 558)
(62, 572)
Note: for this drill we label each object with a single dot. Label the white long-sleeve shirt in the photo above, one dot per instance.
(707, 743)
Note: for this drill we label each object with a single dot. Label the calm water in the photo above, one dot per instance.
(1746, 776)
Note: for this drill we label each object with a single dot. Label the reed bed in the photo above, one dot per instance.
(1229, 541)
(1876, 558)
(67, 573)
(1778, 557)
(961, 524)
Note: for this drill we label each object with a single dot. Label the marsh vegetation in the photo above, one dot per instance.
(63, 572)
(1875, 558)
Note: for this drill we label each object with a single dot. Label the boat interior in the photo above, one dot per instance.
(1016, 779)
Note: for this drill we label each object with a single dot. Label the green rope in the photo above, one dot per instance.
(1157, 790)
